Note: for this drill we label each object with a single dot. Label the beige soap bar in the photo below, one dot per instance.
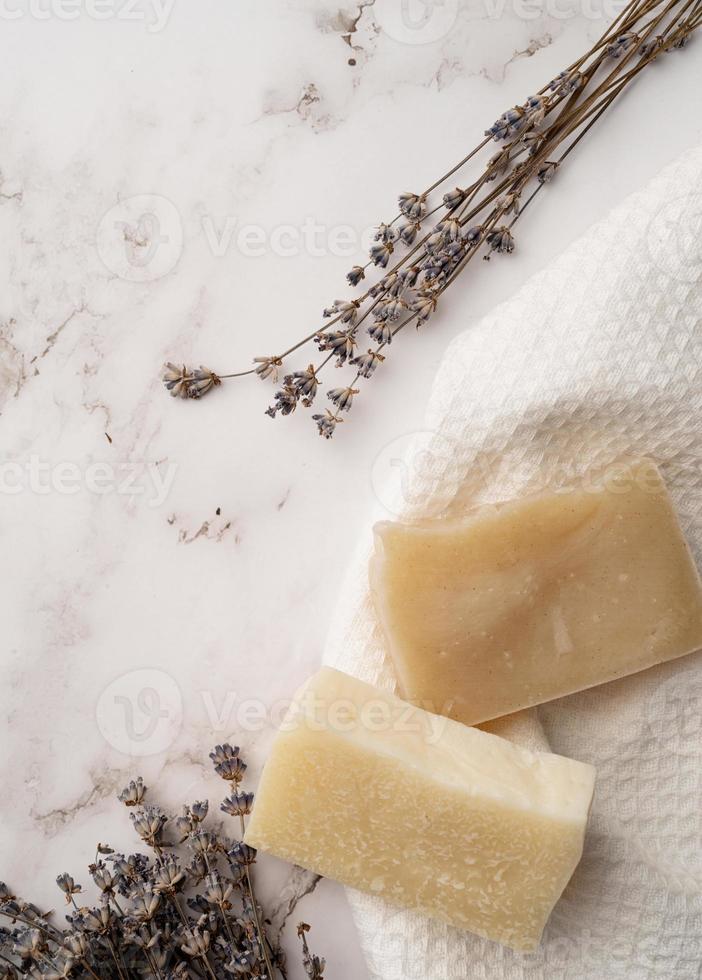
(421, 810)
(535, 599)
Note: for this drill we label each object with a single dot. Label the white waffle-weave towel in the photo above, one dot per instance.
(597, 357)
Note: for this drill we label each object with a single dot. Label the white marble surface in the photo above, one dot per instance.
(195, 550)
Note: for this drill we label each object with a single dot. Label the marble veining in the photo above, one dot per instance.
(169, 569)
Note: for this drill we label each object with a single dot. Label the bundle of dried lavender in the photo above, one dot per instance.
(476, 218)
(157, 915)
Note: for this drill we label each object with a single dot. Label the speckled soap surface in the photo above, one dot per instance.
(538, 598)
(429, 814)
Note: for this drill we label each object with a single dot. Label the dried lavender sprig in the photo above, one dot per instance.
(609, 102)
(314, 966)
(146, 932)
(441, 259)
(227, 764)
(181, 382)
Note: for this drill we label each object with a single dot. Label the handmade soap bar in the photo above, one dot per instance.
(537, 598)
(428, 813)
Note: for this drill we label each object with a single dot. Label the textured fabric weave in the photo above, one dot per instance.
(597, 357)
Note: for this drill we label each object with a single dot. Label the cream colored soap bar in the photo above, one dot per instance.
(538, 598)
(425, 812)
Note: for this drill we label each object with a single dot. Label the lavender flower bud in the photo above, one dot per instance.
(621, 45)
(355, 275)
(196, 942)
(435, 241)
(105, 881)
(546, 171)
(348, 310)
(267, 367)
(381, 332)
(145, 902)
(367, 363)
(380, 254)
(134, 793)
(231, 769)
(567, 82)
(424, 305)
(342, 397)
(97, 920)
(327, 423)
(341, 342)
(285, 402)
(385, 234)
(413, 206)
(176, 380)
(305, 384)
(217, 890)
(410, 276)
(651, 46)
(408, 232)
(454, 198)
(76, 944)
(199, 810)
(203, 842)
(67, 885)
(30, 944)
(149, 823)
(168, 876)
(501, 240)
(202, 381)
(241, 854)
(223, 752)
(239, 804)
(450, 228)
